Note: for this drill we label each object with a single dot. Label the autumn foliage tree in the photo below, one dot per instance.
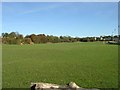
(16, 38)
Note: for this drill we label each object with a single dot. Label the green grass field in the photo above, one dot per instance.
(88, 64)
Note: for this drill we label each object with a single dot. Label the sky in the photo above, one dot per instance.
(77, 19)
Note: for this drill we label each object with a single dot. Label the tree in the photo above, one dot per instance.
(33, 38)
(5, 34)
(27, 40)
(12, 35)
(42, 38)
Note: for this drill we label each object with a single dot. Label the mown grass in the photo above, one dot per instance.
(90, 65)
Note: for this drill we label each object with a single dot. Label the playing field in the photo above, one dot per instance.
(88, 64)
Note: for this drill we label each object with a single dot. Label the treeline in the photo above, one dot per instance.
(16, 38)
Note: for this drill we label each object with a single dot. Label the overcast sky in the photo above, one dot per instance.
(74, 19)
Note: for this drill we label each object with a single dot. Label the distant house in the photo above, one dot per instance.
(108, 38)
(115, 40)
(105, 38)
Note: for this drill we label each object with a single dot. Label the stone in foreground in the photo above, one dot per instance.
(49, 86)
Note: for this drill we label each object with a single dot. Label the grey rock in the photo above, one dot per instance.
(49, 86)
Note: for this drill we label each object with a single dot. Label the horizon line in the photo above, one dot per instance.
(59, 35)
